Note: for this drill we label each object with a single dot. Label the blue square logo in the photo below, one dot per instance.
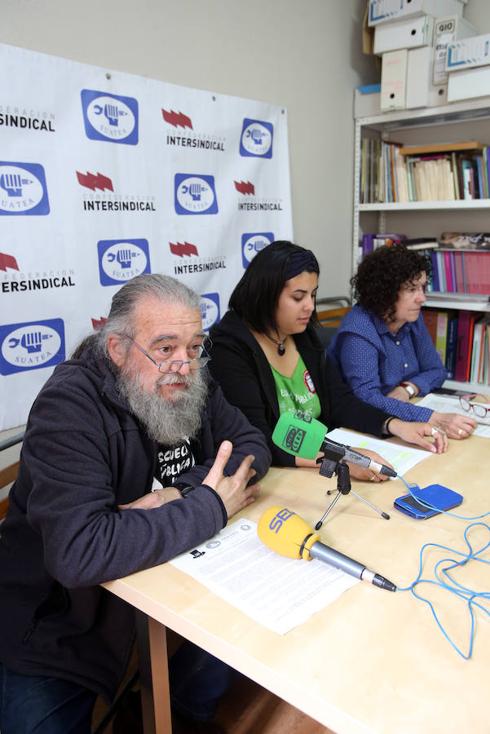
(195, 194)
(23, 189)
(122, 260)
(31, 345)
(110, 117)
(252, 243)
(210, 312)
(256, 138)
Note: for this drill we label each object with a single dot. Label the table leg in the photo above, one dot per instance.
(155, 693)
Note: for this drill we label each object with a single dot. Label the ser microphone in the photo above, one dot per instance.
(304, 437)
(286, 533)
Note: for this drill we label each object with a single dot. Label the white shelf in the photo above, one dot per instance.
(425, 205)
(475, 387)
(457, 303)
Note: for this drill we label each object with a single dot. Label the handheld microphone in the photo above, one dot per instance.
(289, 535)
(303, 436)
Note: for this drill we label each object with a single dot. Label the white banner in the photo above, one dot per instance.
(104, 176)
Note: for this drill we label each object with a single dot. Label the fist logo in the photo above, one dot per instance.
(12, 183)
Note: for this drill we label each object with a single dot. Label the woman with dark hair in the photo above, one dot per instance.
(383, 348)
(268, 359)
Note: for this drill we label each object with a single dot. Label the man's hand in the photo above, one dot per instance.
(455, 425)
(365, 473)
(421, 434)
(157, 498)
(233, 490)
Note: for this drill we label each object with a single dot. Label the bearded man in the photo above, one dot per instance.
(131, 456)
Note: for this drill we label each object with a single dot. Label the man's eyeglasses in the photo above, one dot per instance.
(477, 409)
(174, 365)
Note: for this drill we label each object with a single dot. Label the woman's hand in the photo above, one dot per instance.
(425, 435)
(399, 393)
(366, 473)
(455, 425)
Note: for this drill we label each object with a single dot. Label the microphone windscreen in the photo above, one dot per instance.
(299, 437)
(284, 532)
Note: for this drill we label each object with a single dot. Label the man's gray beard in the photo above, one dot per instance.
(166, 421)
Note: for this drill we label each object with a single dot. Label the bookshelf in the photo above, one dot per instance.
(469, 120)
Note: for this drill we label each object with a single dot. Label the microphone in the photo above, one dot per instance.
(303, 436)
(288, 534)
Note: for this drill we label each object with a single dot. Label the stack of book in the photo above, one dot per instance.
(433, 172)
(462, 339)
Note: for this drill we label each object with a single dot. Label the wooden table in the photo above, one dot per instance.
(372, 661)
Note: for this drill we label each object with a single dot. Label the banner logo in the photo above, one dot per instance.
(23, 189)
(253, 204)
(252, 243)
(244, 187)
(110, 117)
(92, 182)
(177, 119)
(121, 260)
(256, 138)
(183, 249)
(209, 310)
(195, 194)
(7, 261)
(32, 345)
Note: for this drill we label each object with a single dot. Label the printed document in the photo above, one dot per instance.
(279, 593)
(448, 404)
(402, 458)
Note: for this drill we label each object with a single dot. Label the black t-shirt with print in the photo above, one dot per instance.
(172, 461)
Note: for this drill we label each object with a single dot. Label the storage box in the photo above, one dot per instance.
(394, 80)
(406, 80)
(407, 33)
(367, 100)
(447, 30)
(469, 52)
(384, 11)
(469, 83)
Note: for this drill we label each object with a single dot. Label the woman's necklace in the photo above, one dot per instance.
(281, 347)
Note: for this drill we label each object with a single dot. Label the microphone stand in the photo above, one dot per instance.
(329, 466)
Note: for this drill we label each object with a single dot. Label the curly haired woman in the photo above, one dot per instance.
(383, 347)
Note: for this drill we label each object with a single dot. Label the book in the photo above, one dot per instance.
(430, 321)
(440, 147)
(463, 345)
(441, 334)
(452, 342)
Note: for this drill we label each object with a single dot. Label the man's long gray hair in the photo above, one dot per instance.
(124, 302)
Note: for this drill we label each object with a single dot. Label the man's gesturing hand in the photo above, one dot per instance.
(233, 490)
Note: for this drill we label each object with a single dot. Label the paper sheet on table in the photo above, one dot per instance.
(279, 593)
(402, 458)
(448, 404)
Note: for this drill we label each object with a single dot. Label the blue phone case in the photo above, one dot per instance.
(437, 495)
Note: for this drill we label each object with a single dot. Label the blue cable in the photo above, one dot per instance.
(444, 579)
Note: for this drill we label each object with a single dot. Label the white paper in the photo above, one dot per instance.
(277, 592)
(448, 404)
(402, 458)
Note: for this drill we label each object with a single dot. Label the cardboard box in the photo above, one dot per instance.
(446, 30)
(469, 52)
(419, 77)
(406, 80)
(367, 100)
(407, 33)
(385, 11)
(394, 80)
(469, 83)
